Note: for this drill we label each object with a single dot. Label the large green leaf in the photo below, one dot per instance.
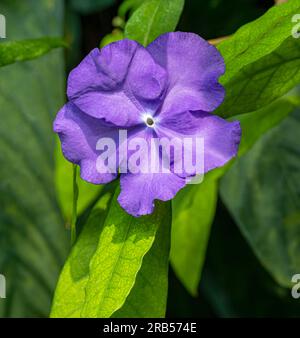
(194, 207)
(262, 61)
(111, 256)
(123, 243)
(14, 51)
(262, 193)
(33, 241)
(153, 18)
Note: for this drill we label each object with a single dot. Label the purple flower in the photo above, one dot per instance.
(168, 89)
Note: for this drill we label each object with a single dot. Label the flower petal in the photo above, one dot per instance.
(139, 191)
(79, 134)
(194, 67)
(146, 81)
(113, 107)
(118, 83)
(102, 70)
(221, 138)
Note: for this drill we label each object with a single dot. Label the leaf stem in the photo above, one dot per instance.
(74, 210)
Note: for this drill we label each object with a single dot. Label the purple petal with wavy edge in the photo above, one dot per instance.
(139, 191)
(113, 107)
(194, 67)
(221, 138)
(79, 135)
(118, 83)
(102, 70)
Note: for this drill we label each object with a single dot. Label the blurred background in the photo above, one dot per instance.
(33, 241)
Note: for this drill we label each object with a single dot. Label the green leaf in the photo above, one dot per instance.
(153, 18)
(33, 241)
(258, 38)
(64, 188)
(262, 193)
(148, 297)
(89, 6)
(115, 252)
(15, 51)
(194, 209)
(123, 243)
(262, 61)
(263, 81)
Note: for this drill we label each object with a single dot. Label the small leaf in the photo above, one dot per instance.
(153, 18)
(14, 51)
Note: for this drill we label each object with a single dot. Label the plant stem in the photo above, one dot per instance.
(74, 211)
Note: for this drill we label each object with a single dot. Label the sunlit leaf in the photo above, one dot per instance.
(262, 61)
(115, 251)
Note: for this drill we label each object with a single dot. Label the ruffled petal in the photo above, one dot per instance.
(146, 81)
(194, 67)
(113, 107)
(102, 70)
(221, 138)
(79, 134)
(138, 192)
(118, 83)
